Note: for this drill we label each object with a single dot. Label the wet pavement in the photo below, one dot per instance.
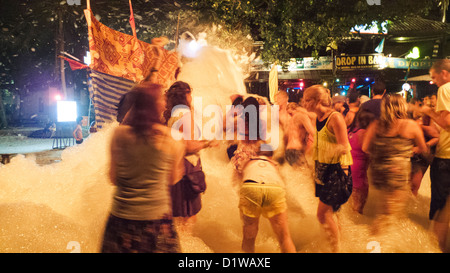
(14, 141)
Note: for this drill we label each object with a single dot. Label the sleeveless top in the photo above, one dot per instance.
(390, 164)
(142, 174)
(357, 152)
(184, 116)
(326, 147)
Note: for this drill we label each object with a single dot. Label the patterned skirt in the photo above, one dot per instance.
(131, 236)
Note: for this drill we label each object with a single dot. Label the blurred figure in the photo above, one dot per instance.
(363, 99)
(298, 136)
(413, 109)
(426, 101)
(339, 104)
(391, 141)
(282, 100)
(440, 167)
(332, 160)
(230, 124)
(353, 106)
(433, 101)
(186, 195)
(373, 105)
(78, 132)
(421, 162)
(356, 134)
(145, 162)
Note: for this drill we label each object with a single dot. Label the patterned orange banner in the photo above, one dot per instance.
(122, 55)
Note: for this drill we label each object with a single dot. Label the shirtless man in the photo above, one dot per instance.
(297, 127)
(298, 135)
(282, 100)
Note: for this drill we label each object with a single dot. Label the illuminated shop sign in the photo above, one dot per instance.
(379, 61)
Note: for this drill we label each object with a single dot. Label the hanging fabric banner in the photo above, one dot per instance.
(106, 92)
(122, 55)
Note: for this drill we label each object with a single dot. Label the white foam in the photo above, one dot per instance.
(44, 208)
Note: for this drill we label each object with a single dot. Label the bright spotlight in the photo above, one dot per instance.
(66, 111)
(191, 49)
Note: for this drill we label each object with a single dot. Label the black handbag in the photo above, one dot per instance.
(194, 178)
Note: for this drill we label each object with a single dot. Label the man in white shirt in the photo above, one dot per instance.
(440, 168)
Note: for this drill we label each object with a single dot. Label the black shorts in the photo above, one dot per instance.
(440, 184)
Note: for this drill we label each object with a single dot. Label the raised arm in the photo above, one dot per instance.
(442, 118)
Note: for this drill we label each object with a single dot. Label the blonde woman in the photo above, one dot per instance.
(390, 142)
(332, 160)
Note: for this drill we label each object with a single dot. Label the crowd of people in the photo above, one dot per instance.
(348, 146)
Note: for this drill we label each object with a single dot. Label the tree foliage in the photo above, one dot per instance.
(288, 27)
(29, 28)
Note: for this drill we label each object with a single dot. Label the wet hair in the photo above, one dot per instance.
(393, 107)
(144, 111)
(237, 101)
(440, 65)
(176, 95)
(248, 102)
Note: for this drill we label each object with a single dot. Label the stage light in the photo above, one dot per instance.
(301, 84)
(66, 111)
(87, 58)
(406, 86)
(58, 97)
(325, 84)
(353, 80)
(367, 79)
